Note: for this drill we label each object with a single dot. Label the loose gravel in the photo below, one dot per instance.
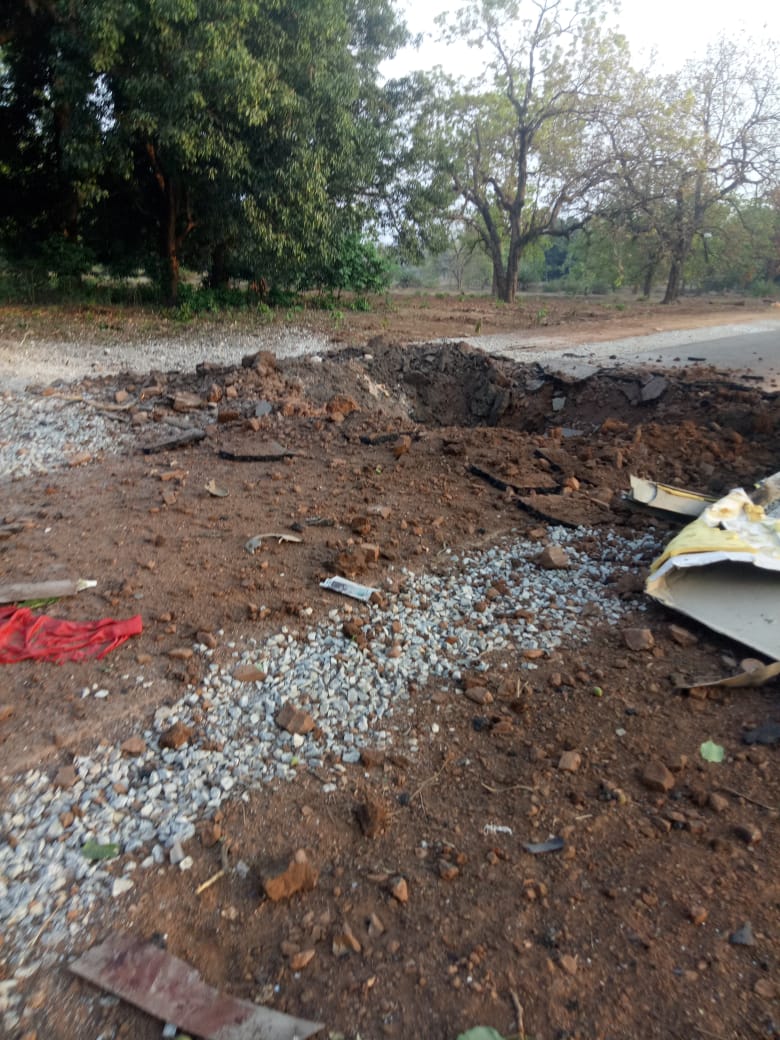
(434, 629)
(42, 432)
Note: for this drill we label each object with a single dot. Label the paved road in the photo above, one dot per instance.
(750, 352)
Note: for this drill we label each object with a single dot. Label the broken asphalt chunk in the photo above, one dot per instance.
(768, 734)
(188, 437)
(539, 848)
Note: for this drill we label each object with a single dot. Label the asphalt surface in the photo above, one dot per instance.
(749, 352)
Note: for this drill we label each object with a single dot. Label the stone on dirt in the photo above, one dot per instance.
(570, 761)
(638, 639)
(682, 636)
(303, 959)
(749, 833)
(187, 402)
(479, 695)
(371, 816)
(399, 889)
(345, 941)
(656, 777)
(299, 876)
(717, 802)
(743, 936)
(372, 758)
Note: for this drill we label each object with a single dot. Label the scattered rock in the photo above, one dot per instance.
(570, 761)
(399, 889)
(568, 963)
(682, 636)
(743, 936)
(717, 802)
(300, 876)
(371, 816)
(656, 777)
(340, 406)
(345, 942)
(133, 746)
(372, 758)
(181, 653)
(765, 988)
(375, 926)
(479, 694)
(294, 720)
(66, 777)
(303, 959)
(553, 558)
(402, 446)
(654, 388)
(176, 854)
(360, 525)
(698, 914)
(749, 833)
(249, 673)
(447, 871)
(210, 833)
(120, 886)
(768, 734)
(187, 402)
(638, 639)
(676, 761)
(176, 736)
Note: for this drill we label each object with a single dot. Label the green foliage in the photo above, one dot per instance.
(239, 135)
(193, 301)
(352, 264)
(519, 146)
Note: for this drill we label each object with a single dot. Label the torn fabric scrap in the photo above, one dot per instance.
(25, 635)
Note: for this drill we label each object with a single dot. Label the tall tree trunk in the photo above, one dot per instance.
(649, 278)
(512, 267)
(674, 282)
(169, 254)
(218, 275)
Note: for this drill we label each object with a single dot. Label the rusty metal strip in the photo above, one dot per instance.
(170, 989)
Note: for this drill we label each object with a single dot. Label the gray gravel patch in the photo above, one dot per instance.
(43, 362)
(149, 804)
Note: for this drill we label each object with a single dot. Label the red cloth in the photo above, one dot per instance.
(25, 635)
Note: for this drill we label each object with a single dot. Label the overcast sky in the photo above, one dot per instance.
(677, 29)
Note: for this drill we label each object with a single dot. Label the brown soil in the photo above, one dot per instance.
(400, 317)
(623, 934)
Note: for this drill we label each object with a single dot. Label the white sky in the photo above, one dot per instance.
(677, 29)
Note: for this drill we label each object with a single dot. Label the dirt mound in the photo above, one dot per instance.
(373, 461)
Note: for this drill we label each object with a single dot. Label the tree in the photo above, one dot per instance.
(225, 132)
(686, 144)
(519, 146)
